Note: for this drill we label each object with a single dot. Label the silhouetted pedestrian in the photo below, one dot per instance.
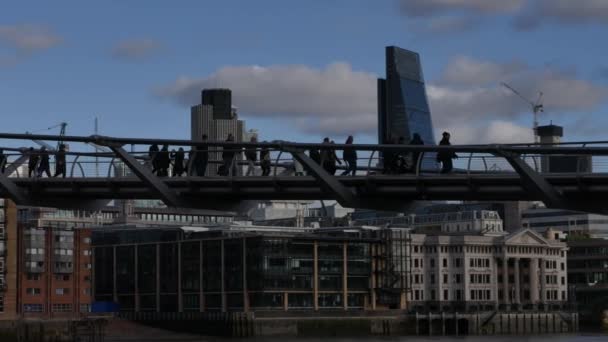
(44, 165)
(332, 160)
(163, 161)
(200, 158)
(265, 161)
(445, 157)
(251, 154)
(228, 166)
(32, 164)
(350, 158)
(314, 154)
(60, 163)
(2, 161)
(178, 162)
(152, 155)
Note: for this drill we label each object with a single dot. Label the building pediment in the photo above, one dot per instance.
(525, 237)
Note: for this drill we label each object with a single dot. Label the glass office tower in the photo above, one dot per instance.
(403, 107)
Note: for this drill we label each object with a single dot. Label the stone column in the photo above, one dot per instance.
(180, 299)
(505, 279)
(516, 298)
(543, 281)
(157, 277)
(495, 280)
(315, 276)
(345, 276)
(534, 281)
(222, 276)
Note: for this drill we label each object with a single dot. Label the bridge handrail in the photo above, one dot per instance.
(561, 148)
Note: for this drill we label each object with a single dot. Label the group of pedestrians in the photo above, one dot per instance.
(394, 162)
(39, 162)
(162, 160)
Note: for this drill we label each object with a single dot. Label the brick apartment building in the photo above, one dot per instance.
(47, 268)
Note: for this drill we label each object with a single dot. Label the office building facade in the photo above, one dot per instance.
(403, 107)
(569, 222)
(217, 124)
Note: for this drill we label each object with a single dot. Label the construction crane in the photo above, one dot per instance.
(537, 107)
(62, 126)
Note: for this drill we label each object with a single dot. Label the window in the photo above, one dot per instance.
(61, 307)
(88, 266)
(85, 308)
(415, 262)
(445, 295)
(87, 279)
(62, 277)
(86, 240)
(445, 278)
(445, 262)
(1, 304)
(86, 252)
(457, 262)
(563, 267)
(86, 291)
(34, 291)
(62, 291)
(432, 278)
(33, 307)
(33, 276)
(432, 262)
(563, 280)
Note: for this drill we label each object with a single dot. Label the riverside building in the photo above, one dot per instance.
(254, 268)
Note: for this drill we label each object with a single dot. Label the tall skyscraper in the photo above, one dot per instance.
(216, 123)
(403, 107)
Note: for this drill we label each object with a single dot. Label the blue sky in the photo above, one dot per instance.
(300, 70)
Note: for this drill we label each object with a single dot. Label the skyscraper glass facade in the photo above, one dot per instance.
(403, 107)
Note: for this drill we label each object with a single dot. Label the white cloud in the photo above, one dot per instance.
(135, 49)
(332, 100)
(527, 14)
(469, 90)
(24, 40)
(433, 7)
(563, 12)
(337, 100)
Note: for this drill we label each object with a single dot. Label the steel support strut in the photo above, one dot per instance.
(344, 196)
(168, 196)
(12, 190)
(533, 182)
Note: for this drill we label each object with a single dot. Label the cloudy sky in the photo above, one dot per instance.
(301, 70)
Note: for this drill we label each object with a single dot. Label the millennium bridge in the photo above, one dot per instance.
(102, 168)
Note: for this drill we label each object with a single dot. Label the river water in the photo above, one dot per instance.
(518, 338)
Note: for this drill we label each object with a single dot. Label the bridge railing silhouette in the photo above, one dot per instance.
(472, 158)
(124, 167)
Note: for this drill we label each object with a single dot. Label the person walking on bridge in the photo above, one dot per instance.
(199, 159)
(60, 163)
(350, 158)
(152, 154)
(445, 157)
(2, 161)
(265, 161)
(163, 161)
(178, 162)
(32, 163)
(44, 166)
(251, 154)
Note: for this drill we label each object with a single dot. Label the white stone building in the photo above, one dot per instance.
(468, 272)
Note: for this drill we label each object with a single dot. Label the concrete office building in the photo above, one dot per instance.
(216, 118)
(522, 270)
(567, 221)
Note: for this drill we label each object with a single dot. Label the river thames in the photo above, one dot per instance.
(519, 338)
